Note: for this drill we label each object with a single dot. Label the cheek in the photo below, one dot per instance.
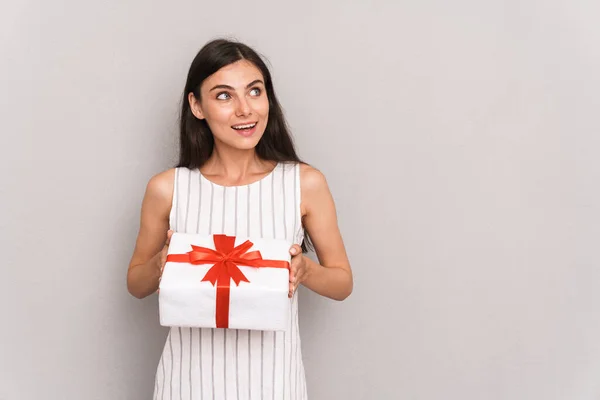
(218, 115)
(262, 106)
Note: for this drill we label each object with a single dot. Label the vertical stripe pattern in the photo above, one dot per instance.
(228, 364)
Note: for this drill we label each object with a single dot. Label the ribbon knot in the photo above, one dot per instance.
(226, 259)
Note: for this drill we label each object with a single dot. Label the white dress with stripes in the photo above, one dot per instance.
(231, 364)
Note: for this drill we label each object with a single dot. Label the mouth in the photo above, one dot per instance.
(245, 129)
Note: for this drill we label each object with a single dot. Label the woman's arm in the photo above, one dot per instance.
(332, 276)
(145, 267)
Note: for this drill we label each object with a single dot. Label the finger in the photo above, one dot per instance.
(299, 276)
(295, 250)
(293, 271)
(293, 288)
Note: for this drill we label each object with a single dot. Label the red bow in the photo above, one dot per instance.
(226, 260)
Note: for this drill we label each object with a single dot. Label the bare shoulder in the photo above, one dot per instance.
(314, 188)
(161, 185)
(159, 193)
(311, 179)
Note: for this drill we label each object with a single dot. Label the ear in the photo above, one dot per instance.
(195, 106)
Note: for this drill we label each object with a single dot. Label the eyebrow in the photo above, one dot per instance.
(254, 82)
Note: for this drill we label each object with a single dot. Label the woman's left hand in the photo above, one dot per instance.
(298, 268)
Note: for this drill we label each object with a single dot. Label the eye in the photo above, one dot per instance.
(255, 91)
(223, 96)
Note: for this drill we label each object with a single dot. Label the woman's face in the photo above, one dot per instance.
(235, 105)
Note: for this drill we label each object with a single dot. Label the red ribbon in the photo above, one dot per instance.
(226, 260)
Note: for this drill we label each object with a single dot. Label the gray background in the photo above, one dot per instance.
(459, 140)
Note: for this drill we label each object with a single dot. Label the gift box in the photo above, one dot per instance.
(220, 281)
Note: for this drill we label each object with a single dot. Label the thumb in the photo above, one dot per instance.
(169, 234)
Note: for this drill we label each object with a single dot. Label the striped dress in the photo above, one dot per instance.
(228, 364)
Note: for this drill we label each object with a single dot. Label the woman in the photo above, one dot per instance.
(238, 174)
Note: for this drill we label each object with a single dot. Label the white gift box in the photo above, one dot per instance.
(207, 283)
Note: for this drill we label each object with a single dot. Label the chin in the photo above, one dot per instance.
(246, 146)
(240, 142)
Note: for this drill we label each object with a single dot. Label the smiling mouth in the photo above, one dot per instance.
(244, 127)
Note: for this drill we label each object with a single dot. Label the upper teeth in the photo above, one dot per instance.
(244, 126)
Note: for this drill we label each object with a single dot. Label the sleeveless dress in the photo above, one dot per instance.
(232, 364)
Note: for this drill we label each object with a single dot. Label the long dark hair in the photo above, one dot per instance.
(196, 141)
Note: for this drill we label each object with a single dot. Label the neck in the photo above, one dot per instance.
(235, 164)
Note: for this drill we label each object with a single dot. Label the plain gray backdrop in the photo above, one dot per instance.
(459, 139)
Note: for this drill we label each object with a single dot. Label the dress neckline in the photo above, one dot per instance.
(234, 186)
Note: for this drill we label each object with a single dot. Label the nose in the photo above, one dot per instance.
(243, 108)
